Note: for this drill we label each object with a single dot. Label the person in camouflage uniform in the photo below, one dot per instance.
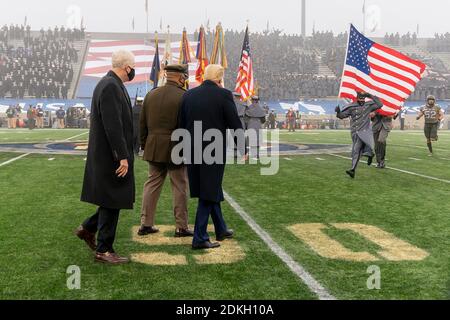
(433, 116)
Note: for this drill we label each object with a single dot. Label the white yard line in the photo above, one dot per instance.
(320, 159)
(288, 159)
(14, 159)
(296, 268)
(400, 170)
(78, 135)
(415, 159)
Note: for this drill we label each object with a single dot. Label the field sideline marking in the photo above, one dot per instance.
(296, 268)
(14, 159)
(78, 135)
(400, 170)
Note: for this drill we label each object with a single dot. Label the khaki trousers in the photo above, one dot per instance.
(61, 123)
(40, 122)
(152, 192)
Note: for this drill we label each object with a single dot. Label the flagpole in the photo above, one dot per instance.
(345, 61)
(364, 17)
(146, 11)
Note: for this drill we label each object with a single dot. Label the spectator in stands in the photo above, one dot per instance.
(42, 66)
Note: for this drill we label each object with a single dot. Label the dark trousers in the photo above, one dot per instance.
(358, 148)
(205, 208)
(380, 138)
(105, 222)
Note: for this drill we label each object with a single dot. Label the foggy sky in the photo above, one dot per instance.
(116, 15)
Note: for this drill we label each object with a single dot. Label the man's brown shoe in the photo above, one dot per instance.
(110, 258)
(87, 237)
(184, 233)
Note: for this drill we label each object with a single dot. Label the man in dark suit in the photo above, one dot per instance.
(109, 178)
(212, 106)
(159, 119)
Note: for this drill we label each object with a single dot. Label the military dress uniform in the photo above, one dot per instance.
(136, 115)
(361, 128)
(381, 127)
(158, 120)
(255, 118)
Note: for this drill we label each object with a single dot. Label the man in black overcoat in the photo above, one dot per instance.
(109, 178)
(213, 106)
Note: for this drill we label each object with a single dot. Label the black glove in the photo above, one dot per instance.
(337, 110)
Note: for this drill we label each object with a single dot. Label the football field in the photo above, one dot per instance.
(308, 232)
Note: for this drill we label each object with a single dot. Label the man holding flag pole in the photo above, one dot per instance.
(377, 72)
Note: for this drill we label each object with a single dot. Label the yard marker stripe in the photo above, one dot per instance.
(415, 159)
(78, 135)
(400, 170)
(307, 278)
(14, 159)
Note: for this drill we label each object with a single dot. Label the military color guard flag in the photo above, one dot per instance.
(379, 70)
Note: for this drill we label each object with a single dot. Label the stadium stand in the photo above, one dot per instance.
(44, 64)
(287, 67)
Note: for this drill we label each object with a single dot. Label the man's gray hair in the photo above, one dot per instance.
(122, 59)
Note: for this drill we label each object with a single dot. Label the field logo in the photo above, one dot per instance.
(74, 280)
(392, 248)
(229, 252)
(374, 281)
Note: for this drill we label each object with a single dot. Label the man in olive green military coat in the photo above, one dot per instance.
(158, 120)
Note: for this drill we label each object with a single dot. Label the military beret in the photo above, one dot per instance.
(178, 68)
(255, 98)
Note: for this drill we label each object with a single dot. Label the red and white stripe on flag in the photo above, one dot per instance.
(245, 82)
(381, 71)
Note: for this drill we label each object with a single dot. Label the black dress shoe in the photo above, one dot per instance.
(205, 245)
(184, 233)
(351, 173)
(370, 161)
(143, 231)
(226, 235)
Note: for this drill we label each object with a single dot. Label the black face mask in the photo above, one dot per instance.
(131, 74)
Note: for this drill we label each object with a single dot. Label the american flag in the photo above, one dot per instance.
(245, 80)
(379, 70)
(98, 60)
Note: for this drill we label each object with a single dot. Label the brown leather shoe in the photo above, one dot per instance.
(110, 258)
(183, 233)
(87, 237)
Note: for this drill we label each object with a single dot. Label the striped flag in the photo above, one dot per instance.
(185, 49)
(201, 56)
(219, 54)
(156, 67)
(379, 70)
(245, 81)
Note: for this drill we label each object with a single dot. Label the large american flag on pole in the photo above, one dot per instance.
(379, 70)
(245, 81)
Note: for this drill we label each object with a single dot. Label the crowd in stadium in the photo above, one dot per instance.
(40, 64)
(440, 43)
(37, 65)
(397, 40)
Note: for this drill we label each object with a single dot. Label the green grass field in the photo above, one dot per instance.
(40, 208)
